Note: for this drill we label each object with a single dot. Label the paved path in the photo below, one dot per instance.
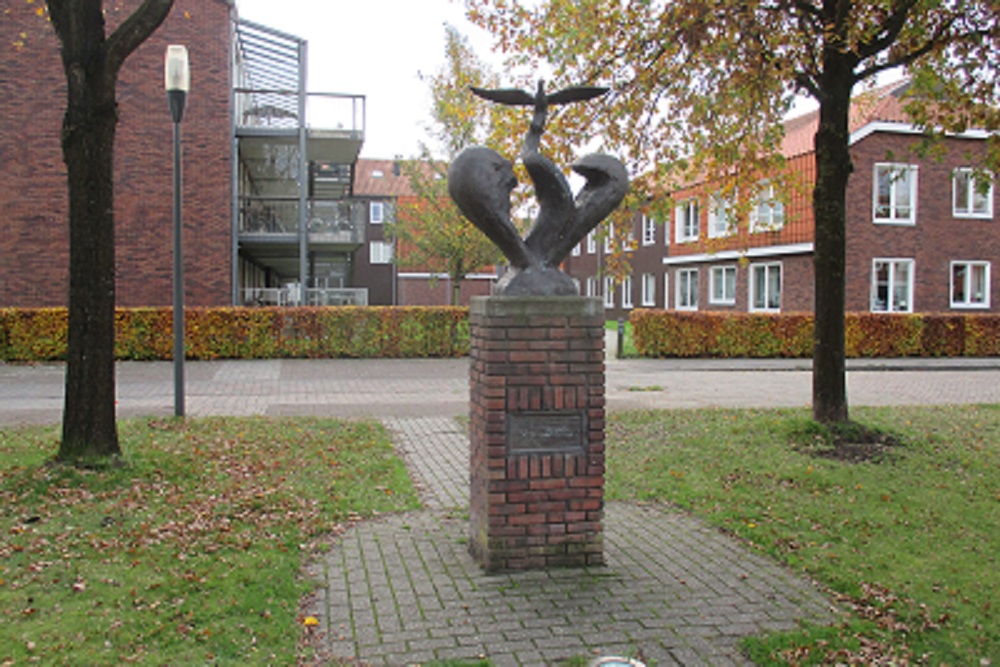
(403, 590)
(440, 387)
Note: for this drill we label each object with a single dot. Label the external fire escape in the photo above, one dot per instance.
(296, 229)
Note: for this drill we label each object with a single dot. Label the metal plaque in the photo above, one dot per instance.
(546, 432)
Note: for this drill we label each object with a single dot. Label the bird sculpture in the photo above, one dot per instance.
(480, 181)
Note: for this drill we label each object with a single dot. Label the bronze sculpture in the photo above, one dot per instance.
(480, 181)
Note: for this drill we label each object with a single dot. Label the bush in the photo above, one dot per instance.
(660, 333)
(250, 333)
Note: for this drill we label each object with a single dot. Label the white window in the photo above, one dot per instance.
(720, 216)
(609, 237)
(576, 250)
(591, 286)
(377, 213)
(686, 219)
(970, 284)
(892, 286)
(666, 288)
(380, 252)
(648, 230)
(972, 197)
(627, 299)
(895, 194)
(687, 289)
(768, 213)
(609, 292)
(648, 289)
(592, 242)
(765, 287)
(722, 285)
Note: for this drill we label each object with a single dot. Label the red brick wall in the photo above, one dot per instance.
(33, 212)
(938, 237)
(536, 358)
(423, 292)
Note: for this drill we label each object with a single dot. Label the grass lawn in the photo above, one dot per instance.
(906, 528)
(191, 553)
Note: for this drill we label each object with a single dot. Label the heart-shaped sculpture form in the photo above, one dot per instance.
(480, 181)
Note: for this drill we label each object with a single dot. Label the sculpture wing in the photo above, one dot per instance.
(576, 94)
(508, 96)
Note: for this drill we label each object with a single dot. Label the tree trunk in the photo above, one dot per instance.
(833, 168)
(88, 150)
(91, 63)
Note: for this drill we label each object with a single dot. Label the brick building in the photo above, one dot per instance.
(381, 186)
(921, 233)
(267, 215)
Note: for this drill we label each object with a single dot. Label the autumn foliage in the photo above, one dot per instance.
(673, 334)
(250, 333)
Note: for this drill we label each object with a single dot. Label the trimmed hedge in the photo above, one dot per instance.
(251, 333)
(660, 333)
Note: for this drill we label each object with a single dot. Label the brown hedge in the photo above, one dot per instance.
(661, 333)
(250, 333)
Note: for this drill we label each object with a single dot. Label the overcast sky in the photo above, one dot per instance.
(376, 48)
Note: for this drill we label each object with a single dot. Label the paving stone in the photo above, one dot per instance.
(673, 588)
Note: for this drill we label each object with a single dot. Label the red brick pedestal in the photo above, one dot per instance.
(537, 432)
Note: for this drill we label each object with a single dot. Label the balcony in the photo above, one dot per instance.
(276, 220)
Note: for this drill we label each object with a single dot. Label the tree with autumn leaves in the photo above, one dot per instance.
(92, 60)
(703, 88)
(429, 229)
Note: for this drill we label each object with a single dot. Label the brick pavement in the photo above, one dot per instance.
(403, 590)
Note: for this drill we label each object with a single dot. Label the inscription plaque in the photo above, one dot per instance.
(546, 432)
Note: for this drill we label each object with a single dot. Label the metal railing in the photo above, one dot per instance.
(279, 109)
(291, 296)
(328, 221)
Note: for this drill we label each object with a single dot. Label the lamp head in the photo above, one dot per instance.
(176, 74)
(176, 79)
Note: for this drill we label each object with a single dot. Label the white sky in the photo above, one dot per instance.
(375, 48)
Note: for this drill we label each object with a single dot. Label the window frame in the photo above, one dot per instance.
(914, 173)
(609, 292)
(679, 283)
(379, 259)
(774, 207)
(592, 242)
(727, 299)
(648, 230)
(648, 290)
(628, 299)
(720, 208)
(372, 217)
(970, 213)
(768, 267)
(686, 220)
(968, 304)
(891, 283)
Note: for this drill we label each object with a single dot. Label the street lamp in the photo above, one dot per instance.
(177, 81)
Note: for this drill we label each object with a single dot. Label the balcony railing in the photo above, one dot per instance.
(290, 296)
(279, 109)
(328, 221)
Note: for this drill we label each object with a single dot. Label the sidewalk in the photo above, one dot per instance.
(403, 590)
(439, 387)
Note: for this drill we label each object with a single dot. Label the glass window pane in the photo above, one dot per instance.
(977, 287)
(774, 287)
(958, 272)
(962, 192)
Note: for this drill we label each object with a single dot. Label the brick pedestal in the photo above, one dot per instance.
(537, 432)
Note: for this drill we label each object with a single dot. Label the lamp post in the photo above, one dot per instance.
(177, 80)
